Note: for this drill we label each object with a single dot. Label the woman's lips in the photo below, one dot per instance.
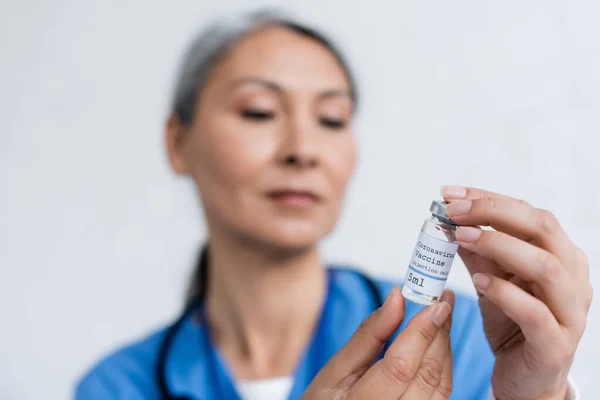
(294, 198)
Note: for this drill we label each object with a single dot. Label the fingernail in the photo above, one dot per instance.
(458, 207)
(468, 234)
(390, 296)
(482, 281)
(453, 192)
(448, 296)
(441, 313)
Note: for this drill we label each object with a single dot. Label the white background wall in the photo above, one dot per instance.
(97, 236)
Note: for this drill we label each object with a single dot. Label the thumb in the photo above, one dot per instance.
(361, 351)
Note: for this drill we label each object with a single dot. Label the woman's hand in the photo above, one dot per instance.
(534, 286)
(417, 365)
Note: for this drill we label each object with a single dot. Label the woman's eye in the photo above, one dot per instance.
(332, 123)
(257, 115)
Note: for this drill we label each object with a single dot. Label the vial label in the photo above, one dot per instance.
(430, 265)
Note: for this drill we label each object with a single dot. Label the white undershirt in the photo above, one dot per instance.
(265, 389)
(279, 389)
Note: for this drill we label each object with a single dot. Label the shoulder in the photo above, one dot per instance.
(126, 372)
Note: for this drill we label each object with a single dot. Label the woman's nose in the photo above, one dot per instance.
(299, 147)
(300, 160)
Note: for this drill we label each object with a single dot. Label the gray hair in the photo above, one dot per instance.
(214, 41)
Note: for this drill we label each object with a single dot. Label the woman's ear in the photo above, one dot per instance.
(174, 141)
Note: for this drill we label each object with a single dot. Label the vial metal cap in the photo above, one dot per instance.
(438, 208)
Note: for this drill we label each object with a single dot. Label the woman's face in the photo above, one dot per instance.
(271, 147)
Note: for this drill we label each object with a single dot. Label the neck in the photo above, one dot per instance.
(263, 305)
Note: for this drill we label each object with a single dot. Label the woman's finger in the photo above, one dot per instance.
(391, 376)
(429, 375)
(363, 348)
(452, 193)
(517, 218)
(535, 319)
(478, 263)
(444, 389)
(552, 282)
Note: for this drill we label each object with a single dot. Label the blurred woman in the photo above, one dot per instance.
(262, 121)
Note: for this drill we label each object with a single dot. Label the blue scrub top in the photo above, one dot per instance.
(197, 370)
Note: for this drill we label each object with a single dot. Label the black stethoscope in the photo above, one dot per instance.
(163, 351)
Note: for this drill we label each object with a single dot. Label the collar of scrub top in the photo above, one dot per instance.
(197, 370)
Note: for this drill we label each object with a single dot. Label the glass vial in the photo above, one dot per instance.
(431, 261)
